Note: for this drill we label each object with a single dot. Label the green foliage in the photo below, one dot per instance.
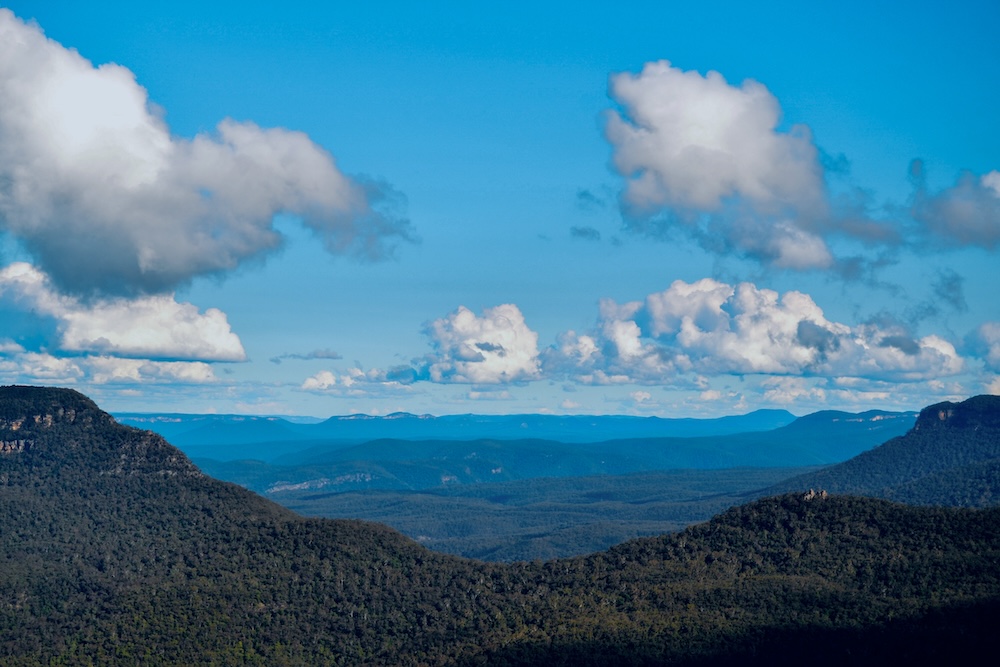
(115, 550)
(544, 518)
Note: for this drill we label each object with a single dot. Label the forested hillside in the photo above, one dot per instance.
(951, 457)
(545, 518)
(116, 550)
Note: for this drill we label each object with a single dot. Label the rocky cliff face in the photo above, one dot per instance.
(50, 427)
(15, 446)
(978, 412)
(44, 406)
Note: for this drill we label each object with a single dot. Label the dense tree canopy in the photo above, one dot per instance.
(116, 550)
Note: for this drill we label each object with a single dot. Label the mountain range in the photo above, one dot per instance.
(522, 499)
(228, 437)
(118, 550)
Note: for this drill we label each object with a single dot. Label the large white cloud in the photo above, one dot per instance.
(497, 347)
(700, 154)
(150, 327)
(710, 155)
(693, 141)
(692, 336)
(743, 329)
(94, 185)
(713, 328)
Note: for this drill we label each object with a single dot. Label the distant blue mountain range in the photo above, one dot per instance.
(233, 437)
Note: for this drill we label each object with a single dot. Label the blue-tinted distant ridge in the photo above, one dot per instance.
(237, 436)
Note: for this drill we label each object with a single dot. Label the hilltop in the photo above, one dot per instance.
(951, 457)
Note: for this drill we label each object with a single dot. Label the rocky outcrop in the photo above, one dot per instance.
(62, 428)
(14, 446)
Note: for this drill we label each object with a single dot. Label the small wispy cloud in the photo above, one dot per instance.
(585, 233)
(315, 354)
(588, 200)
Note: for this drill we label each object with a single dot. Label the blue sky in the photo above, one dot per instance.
(644, 208)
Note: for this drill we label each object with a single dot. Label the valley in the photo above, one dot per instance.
(522, 497)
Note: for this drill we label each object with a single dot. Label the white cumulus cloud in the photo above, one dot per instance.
(694, 141)
(496, 347)
(151, 327)
(320, 382)
(713, 328)
(709, 154)
(356, 382)
(743, 329)
(89, 170)
(114, 370)
(8, 346)
(44, 368)
(40, 367)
